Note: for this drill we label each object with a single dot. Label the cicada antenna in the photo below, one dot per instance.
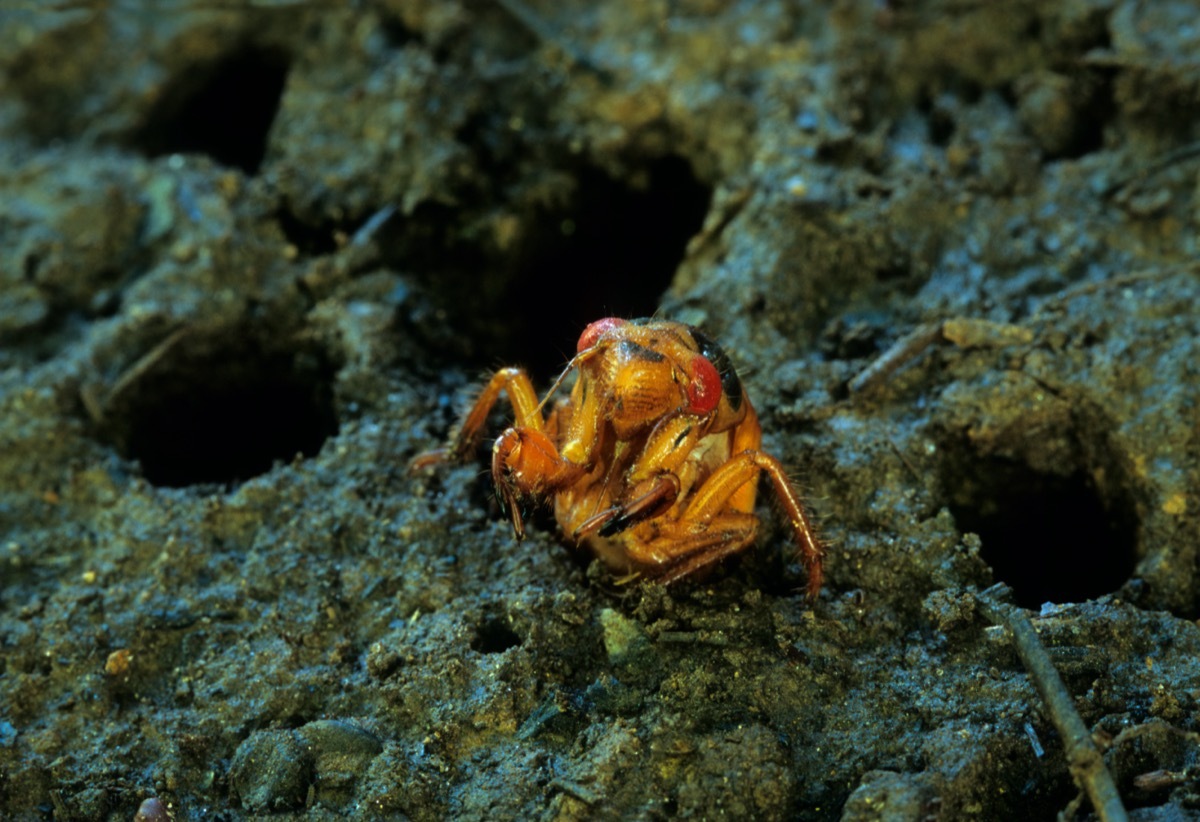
(571, 365)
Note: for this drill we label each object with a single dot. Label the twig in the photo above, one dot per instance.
(963, 332)
(1057, 301)
(902, 352)
(1083, 757)
(1179, 155)
(98, 406)
(585, 795)
(546, 33)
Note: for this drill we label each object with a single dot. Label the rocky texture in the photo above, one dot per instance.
(253, 257)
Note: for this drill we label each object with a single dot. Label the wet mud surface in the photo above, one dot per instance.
(253, 259)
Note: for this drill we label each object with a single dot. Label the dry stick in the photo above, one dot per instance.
(964, 332)
(546, 33)
(1179, 155)
(902, 352)
(98, 407)
(1083, 757)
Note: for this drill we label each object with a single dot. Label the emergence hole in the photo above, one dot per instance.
(1051, 538)
(494, 636)
(611, 251)
(613, 254)
(309, 240)
(223, 110)
(224, 414)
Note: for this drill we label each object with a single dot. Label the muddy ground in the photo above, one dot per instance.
(255, 255)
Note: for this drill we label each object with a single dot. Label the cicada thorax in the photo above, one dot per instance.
(644, 370)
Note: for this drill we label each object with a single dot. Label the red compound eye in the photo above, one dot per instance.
(704, 391)
(594, 331)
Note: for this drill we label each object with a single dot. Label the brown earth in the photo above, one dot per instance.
(254, 255)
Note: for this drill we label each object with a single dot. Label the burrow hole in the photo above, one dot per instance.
(223, 109)
(1050, 537)
(223, 410)
(494, 635)
(612, 250)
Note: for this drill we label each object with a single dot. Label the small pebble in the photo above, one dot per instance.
(271, 770)
(152, 810)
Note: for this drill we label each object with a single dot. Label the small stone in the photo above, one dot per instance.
(8, 734)
(271, 770)
(152, 810)
(341, 751)
(623, 638)
(118, 661)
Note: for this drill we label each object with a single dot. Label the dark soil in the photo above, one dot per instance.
(253, 256)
